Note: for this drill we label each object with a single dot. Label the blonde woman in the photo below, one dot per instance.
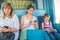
(9, 19)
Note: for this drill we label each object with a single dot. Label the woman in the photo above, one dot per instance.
(10, 20)
(27, 22)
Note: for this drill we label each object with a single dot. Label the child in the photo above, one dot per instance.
(47, 26)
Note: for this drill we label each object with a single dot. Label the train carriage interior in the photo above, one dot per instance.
(41, 7)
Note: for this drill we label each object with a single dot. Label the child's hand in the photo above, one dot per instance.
(55, 30)
(48, 31)
(33, 23)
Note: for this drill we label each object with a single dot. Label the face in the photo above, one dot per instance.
(46, 19)
(30, 11)
(7, 11)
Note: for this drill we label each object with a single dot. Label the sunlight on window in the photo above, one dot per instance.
(57, 11)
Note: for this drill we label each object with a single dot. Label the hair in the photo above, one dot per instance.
(46, 15)
(5, 6)
(30, 6)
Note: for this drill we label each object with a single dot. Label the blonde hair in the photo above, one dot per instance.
(5, 6)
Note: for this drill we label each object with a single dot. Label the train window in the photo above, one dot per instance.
(57, 11)
(22, 4)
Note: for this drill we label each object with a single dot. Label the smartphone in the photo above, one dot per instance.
(35, 21)
(6, 27)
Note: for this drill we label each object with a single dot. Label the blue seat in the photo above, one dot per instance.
(40, 20)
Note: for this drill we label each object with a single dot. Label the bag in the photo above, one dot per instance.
(7, 36)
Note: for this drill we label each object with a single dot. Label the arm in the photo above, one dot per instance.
(36, 25)
(12, 29)
(44, 29)
(22, 26)
(53, 28)
(51, 25)
(35, 22)
(9, 30)
(43, 26)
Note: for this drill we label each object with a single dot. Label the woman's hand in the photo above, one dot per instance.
(5, 29)
(34, 23)
(0, 30)
(28, 23)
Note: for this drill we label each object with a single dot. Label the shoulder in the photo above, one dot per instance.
(34, 17)
(15, 16)
(23, 16)
(42, 22)
(50, 22)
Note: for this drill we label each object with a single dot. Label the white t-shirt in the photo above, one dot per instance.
(11, 22)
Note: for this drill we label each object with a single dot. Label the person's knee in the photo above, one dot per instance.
(53, 38)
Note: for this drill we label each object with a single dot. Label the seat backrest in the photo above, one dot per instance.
(40, 20)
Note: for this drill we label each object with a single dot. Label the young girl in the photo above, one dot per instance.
(47, 26)
(10, 20)
(28, 22)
